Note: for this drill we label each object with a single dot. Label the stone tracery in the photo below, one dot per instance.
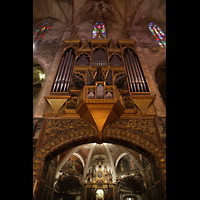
(100, 10)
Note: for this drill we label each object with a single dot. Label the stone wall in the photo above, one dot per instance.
(49, 51)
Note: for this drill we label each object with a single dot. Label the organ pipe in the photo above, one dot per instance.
(129, 76)
(70, 74)
(67, 79)
(137, 72)
(136, 78)
(61, 73)
(58, 77)
(133, 73)
(99, 58)
(143, 81)
(65, 71)
(62, 80)
(58, 74)
(133, 79)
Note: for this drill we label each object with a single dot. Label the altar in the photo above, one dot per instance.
(99, 184)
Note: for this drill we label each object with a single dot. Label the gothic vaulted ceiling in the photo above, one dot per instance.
(90, 153)
(72, 12)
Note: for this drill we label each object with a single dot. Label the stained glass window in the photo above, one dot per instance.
(99, 31)
(158, 34)
(40, 33)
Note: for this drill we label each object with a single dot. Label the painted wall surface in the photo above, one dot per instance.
(126, 164)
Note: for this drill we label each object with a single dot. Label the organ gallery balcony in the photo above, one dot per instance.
(100, 104)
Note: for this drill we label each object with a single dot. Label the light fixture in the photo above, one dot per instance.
(100, 194)
(42, 76)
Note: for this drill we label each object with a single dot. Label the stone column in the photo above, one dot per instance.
(40, 105)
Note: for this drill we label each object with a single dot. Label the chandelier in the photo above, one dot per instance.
(100, 11)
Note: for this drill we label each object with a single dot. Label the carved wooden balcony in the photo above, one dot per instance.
(100, 104)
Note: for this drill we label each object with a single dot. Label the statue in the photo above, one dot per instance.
(105, 170)
(93, 171)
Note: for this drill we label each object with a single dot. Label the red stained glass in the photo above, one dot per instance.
(40, 33)
(99, 27)
(157, 32)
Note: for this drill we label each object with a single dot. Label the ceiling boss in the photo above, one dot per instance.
(100, 10)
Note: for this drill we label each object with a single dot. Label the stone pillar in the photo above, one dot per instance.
(40, 105)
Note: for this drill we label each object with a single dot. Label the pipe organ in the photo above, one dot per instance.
(63, 76)
(136, 78)
(99, 70)
(99, 58)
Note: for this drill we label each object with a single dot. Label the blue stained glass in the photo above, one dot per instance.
(99, 26)
(158, 33)
(40, 33)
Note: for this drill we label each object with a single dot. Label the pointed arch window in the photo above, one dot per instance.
(40, 33)
(158, 34)
(99, 31)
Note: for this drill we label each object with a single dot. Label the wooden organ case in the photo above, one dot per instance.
(99, 73)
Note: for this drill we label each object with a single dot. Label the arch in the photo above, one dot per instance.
(80, 74)
(39, 52)
(118, 159)
(80, 54)
(114, 53)
(99, 57)
(132, 157)
(68, 47)
(99, 47)
(42, 62)
(88, 159)
(111, 161)
(67, 157)
(115, 60)
(59, 141)
(117, 75)
(137, 163)
(45, 9)
(81, 159)
(83, 58)
(125, 196)
(74, 157)
(128, 47)
(134, 185)
(127, 168)
(150, 12)
(78, 80)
